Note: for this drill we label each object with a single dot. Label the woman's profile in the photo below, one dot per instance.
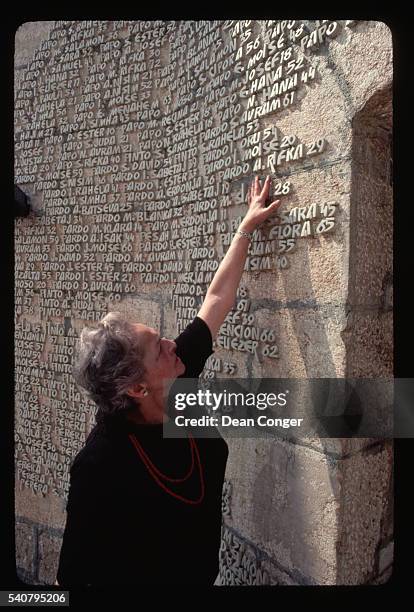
(142, 508)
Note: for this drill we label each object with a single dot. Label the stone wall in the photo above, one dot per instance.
(136, 142)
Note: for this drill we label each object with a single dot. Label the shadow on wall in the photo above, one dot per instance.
(368, 337)
(366, 505)
(360, 472)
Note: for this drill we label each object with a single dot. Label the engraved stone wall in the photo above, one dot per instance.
(136, 142)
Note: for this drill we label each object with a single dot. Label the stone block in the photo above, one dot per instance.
(368, 340)
(285, 500)
(25, 547)
(387, 529)
(169, 326)
(49, 551)
(365, 484)
(314, 512)
(317, 271)
(365, 73)
(240, 563)
(277, 577)
(139, 309)
(240, 360)
(28, 38)
(41, 509)
(309, 341)
(371, 215)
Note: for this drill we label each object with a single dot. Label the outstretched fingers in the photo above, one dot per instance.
(257, 191)
(265, 191)
(269, 210)
(256, 186)
(274, 205)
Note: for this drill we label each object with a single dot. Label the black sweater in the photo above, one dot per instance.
(122, 527)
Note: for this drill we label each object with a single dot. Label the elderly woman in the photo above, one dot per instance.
(142, 508)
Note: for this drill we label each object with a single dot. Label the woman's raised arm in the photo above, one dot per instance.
(221, 294)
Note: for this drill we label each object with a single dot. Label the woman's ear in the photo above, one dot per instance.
(139, 390)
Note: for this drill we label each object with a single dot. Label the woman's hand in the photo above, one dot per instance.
(221, 294)
(257, 212)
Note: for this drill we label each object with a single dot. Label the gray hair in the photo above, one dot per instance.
(109, 361)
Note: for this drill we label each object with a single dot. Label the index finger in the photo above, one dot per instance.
(266, 186)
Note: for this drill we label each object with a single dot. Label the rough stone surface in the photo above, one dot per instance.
(288, 490)
(28, 38)
(25, 547)
(316, 512)
(365, 481)
(49, 550)
(369, 338)
(139, 309)
(383, 578)
(319, 269)
(310, 343)
(386, 557)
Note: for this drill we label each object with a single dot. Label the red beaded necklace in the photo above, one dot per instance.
(157, 475)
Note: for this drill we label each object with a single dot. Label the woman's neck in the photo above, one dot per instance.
(149, 412)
